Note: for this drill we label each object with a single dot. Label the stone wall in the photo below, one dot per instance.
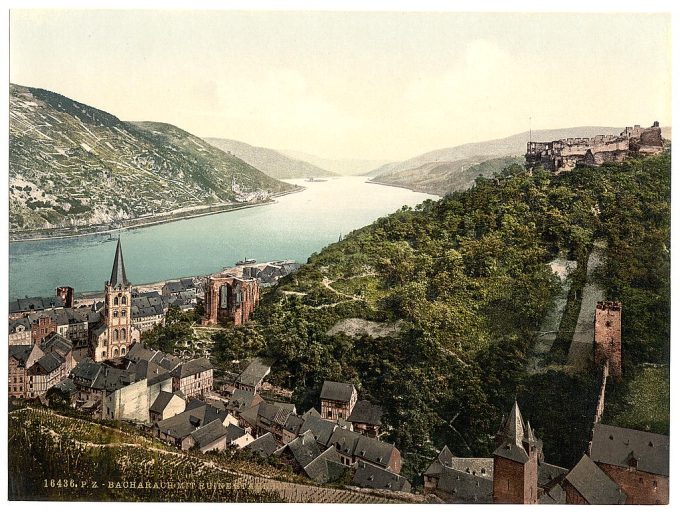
(607, 345)
(640, 487)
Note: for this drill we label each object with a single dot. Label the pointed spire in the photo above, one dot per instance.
(118, 276)
(514, 426)
(530, 437)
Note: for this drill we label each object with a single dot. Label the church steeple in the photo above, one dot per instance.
(513, 431)
(118, 276)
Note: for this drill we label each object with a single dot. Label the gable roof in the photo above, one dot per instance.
(303, 448)
(593, 484)
(320, 428)
(195, 366)
(209, 433)
(265, 445)
(465, 487)
(333, 391)
(370, 476)
(234, 432)
(162, 402)
(254, 373)
(373, 450)
(365, 412)
(326, 467)
(20, 353)
(618, 446)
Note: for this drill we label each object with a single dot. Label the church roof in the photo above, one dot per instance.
(118, 276)
(513, 430)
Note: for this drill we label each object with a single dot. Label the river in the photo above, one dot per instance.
(294, 227)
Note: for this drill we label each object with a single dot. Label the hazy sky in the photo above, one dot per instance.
(365, 85)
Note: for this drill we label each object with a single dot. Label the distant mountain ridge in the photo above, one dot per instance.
(72, 165)
(272, 162)
(439, 171)
(347, 166)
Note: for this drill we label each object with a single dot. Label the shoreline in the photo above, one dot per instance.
(369, 181)
(158, 220)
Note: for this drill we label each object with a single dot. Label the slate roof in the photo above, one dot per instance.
(265, 445)
(373, 450)
(370, 476)
(85, 372)
(35, 304)
(593, 484)
(174, 286)
(234, 432)
(118, 277)
(333, 391)
(161, 402)
(240, 400)
(326, 467)
(303, 448)
(555, 495)
(322, 429)
(183, 424)
(48, 363)
(512, 452)
(20, 353)
(344, 441)
(465, 487)
(57, 344)
(66, 386)
(475, 466)
(273, 413)
(365, 412)
(20, 322)
(209, 433)
(293, 423)
(618, 446)
(195, 366)
(548, 473)
(254, 373)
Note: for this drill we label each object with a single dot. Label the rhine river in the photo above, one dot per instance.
(296, 226)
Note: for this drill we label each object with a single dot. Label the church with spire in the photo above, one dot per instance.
(115, 334)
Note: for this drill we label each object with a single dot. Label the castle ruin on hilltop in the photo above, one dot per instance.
(565, 154)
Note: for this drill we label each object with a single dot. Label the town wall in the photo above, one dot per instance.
(640, 487)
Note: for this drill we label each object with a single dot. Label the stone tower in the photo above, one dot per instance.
(117, 308)
(515, 462)
(608, 336)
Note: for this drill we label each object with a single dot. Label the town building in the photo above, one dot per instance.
(587, 484)
(114, 334)
(193, 378)
(366, 418)
(337, 400)
(20, 332)
(566, 154)
(148, 310)
(44, 327)
(166, 405)
(252, 377)
(34, 369)
(637, 461)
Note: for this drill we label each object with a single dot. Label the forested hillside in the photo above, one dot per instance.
(468, 278)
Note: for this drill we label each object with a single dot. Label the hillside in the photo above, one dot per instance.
(273, 163)
(440, 178)
(467, 283)
(346, 166)
(72, 165)
(406, 173)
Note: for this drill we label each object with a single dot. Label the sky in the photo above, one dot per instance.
(384, 86)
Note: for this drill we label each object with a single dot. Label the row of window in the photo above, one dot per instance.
(119, 335)
(123, 300)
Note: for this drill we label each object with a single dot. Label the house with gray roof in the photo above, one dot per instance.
(337, 400)
(326, 467)
(264, 446)
(252, 377)
(370, 476)
(638, 461)
(194, 378)
(166, 405)
(586, 483)
(300, 452)
(366, 418)
(210, 437)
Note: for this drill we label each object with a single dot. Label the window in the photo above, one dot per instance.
(115, 334)
(115, 301)
(123, 313)
(124, 300)
(122, 351)
(115, 314)
(122, 334)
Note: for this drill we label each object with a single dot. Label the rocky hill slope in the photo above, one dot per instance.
(271, 162)
(72, 165)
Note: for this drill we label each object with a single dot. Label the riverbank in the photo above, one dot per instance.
(416, 190)
(92, 230)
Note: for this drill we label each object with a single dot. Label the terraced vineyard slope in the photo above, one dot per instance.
(72, 165)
